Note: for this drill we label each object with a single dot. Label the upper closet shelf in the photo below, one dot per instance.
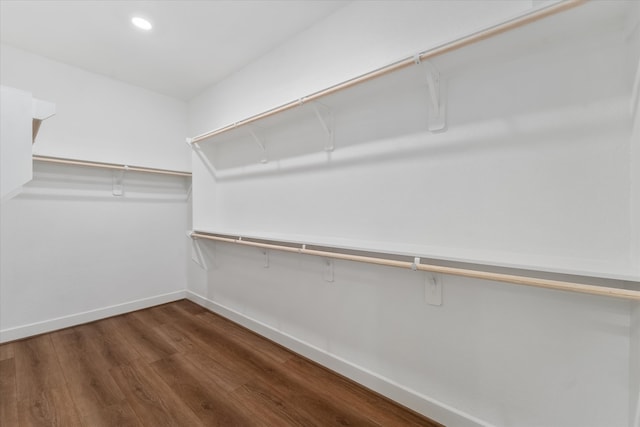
(113, 166)
(436, 103)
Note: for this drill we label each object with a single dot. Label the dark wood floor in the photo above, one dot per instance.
(177, 365)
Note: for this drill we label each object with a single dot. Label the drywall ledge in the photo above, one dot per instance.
(12, 334)
(426, 405)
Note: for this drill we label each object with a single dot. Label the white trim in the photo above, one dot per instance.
(412, 399)
(19, 332)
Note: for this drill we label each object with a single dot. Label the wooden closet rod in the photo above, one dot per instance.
(428, 54)
(475, 274)
(65, 161)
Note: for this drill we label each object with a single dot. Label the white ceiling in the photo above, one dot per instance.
(192, 45)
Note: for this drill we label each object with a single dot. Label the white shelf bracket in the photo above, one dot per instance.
(42, 110)
(117, 179)
(203, 158)
(260, 143)
(328, 270)
(437, 106)
(326, 118)
(265, 263)
(432, 289)
(198, 254)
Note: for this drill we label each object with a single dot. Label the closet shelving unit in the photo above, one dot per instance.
(67, 177)
(431, 53)
(416, 265)
(112, 166)
(453, 97)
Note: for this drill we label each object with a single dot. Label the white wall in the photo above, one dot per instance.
(99, 118)
(533, 170)
(71, 251)
(360, 37)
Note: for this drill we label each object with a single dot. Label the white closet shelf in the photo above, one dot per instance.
(494, 259)
(113, 166)
(336, 253)
(404, 63)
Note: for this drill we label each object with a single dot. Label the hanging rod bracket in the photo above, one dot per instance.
(328, 270)
(117, 181)
(260, 142)
(436, 88)
(265, 263)
(432, 289)
(326, 118)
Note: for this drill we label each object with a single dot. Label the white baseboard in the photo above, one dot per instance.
(418, 402)
(19, 332)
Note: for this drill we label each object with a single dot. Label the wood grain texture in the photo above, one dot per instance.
(152, 399)
(207, 399)
(8, 393)
(322, 381)
(37, 367)
(109, 343)
(84, 368)
(177, 365)
(6, 351)
(97, 397)
(249, 339)
(120, 415)
(50, 407)
(141, 337)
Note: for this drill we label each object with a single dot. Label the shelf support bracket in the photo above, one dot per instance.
(265, 263)
(198, 254)
(260, 143)
(203, 158)
(432, 289)
(189, 192)
(117, 182)
(326, 119)
(328, 270)
(437, 106)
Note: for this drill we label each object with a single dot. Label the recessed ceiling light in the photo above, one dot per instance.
(141, 23)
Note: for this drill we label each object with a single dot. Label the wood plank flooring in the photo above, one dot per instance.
(177, 365)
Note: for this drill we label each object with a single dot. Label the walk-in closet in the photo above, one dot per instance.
(310, 212)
